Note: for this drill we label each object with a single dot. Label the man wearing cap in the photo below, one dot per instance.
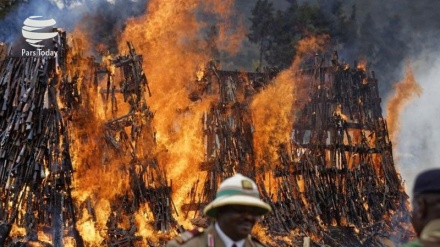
(236, 209)
(426, 209)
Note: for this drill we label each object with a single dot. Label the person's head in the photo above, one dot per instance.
(426, 199)
(237, 206)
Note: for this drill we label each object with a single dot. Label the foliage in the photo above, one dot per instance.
(278, 34)
(6, 6)
(262, 20)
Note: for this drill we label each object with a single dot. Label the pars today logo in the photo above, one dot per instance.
(33, 32)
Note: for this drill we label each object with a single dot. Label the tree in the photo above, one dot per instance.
(292, 25)
(392, 53)
(285, 35)
(343, 25)
(262, 21)
(7, 6)
(211, 42)
(369, 39)
(312, 20)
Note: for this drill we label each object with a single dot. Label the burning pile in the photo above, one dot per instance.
(80, 160)
(46, 109)
(336, 176)
(334, 180)
(36, 171)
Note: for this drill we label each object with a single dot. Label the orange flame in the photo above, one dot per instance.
(231, 30)
(362, 65)
(168, 37)
(405, 91)
(272, 108)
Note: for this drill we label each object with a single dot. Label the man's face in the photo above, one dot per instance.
(237, 221)
(426, 207)
(417, 215)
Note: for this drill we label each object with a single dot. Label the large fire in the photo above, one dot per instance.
(149, 133)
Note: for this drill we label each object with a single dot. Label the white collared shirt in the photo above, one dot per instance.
(228, 242)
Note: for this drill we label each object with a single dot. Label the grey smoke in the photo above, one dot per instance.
(103, 18)
(419, 135)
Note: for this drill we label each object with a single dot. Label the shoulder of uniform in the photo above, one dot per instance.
(187, 235)
(414, 243)
(256, 240)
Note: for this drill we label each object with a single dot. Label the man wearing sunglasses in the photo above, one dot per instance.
(426, 209)
(236, 209)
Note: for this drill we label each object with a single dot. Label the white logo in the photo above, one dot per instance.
(31, 27)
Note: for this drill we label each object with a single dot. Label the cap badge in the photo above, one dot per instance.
(246, 184)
